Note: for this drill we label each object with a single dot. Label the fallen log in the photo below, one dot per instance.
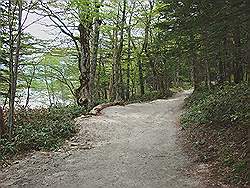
(97, 109)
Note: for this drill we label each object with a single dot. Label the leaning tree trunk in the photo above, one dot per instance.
(83, 92)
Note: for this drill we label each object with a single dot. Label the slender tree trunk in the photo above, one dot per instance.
(141, 77)
(14, 62)
(27, 97)
(128, 72)
(11, 69)
(208, 79)
(248, 56)
(1, 122)
(195, 67)
(206, 61)
(129, 61)
(111, 84)
(115, 79)
(238, 74)
(118, 47)
(29, 87)
(248, 44)
(48, 91)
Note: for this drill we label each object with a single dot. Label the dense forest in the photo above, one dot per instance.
(100, 51)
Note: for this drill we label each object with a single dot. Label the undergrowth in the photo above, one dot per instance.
(216, 124)
(149, 96)
(39, 129)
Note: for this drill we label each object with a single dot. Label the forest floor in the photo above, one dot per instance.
(126, 146)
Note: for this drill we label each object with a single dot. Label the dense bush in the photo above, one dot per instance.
(225, 104)
(40, 129)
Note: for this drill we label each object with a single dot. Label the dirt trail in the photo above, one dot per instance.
(133, 146)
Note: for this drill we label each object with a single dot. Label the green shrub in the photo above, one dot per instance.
(225, 104)
(40, 129)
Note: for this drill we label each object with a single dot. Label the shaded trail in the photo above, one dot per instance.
(134, 146)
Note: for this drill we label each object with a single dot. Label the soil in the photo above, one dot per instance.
(126, 146)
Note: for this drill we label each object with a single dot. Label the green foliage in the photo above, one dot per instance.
(228, 104)
(149, 96)
(40, 129)
(88, 9)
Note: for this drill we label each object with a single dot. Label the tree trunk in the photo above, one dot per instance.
(14, 61)
(248, 56)
(141, 77)
(206, 60)
(96, 34)
(238, 70)
(248, 44)
(195, 67)
(118, 55)
(83, 92)
(29, 87)
(28, 97)
(129, 61)
(128, 73)
(1, 122)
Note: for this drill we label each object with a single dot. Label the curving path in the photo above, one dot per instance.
(133, 146)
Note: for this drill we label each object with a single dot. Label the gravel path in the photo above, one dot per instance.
(133, 146)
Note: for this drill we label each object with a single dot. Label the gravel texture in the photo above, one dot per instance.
(126, 146)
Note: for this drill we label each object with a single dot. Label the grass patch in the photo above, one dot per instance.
(216, 126)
